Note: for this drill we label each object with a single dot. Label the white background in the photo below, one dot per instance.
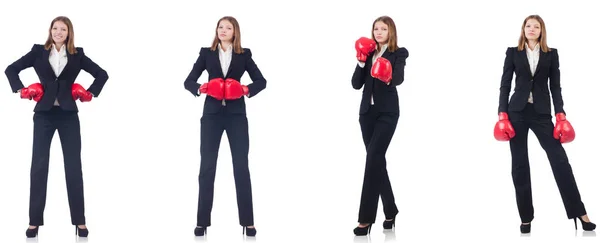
(141, 137)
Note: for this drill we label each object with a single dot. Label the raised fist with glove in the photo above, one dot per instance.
(503, 131)
(234, 89)
(382, 70)
(78, 92)
(34, 91)
(214, 88)
(364, 47)
(563, 130)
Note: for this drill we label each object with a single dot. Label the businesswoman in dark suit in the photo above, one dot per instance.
(534, 63)
(57, 64)
(225, 110)
(379, 70)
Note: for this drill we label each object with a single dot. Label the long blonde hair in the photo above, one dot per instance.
(69, 42)
(237, 36)
(392, 41)
(541, 40)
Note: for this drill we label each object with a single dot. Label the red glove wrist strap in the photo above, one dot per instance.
(245, 89)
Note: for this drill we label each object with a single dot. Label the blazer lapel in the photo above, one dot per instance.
(523, 55)
(386, 54)
(46, 63)
(369, 63)
(217, 61)
(70, 61)
(543, 58)
(234, 58)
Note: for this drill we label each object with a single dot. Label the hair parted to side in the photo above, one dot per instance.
(392, 35)
(541, 40)
(237, 37)
(69, 42)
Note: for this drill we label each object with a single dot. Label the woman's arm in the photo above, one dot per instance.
(555, 83)
(398, 70)
(258, 81)
(13, 70)
(506, 80)
(100, 76)
(191, 82)
(358, 78)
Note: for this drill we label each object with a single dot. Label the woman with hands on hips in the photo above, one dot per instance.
(57, 64)
(379, 70)
(534, 64)
(225, 110)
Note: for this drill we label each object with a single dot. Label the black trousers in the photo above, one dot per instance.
(45, 124)
(377, 130)
(211, 131)
(542, 127)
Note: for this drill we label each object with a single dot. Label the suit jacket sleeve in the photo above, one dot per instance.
(258, 81)
(13, 70)
(555, 83)
(99, 74)
(398, 69)
(506, 80)
(191, 82)
(358, 78)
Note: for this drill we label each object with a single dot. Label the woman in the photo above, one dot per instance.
(225, 110)
(379, 70)
(534, 63)
(57, 64)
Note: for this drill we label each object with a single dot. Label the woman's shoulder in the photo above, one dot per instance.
(37, 47)
(205, 49)
(511, 51)
(401, 52)
(246, 51)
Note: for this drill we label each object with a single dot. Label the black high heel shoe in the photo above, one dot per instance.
(587, 226)
(249, 231)
(363, 230)
(81, 232)
(388, 224)
(526, 228)
(31, 233)
(200, 231)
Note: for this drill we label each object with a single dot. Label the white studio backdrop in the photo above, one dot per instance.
(141, 137)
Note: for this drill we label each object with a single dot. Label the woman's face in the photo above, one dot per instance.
(225, 31)
(380, 31)
(59, 32)
(532, 29)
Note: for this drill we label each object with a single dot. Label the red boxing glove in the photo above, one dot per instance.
(78, 92)
(364, 47)
(34, 91)
(563, 129)
(234, 89)
(214, 88)
(503, 131)
(382, 70)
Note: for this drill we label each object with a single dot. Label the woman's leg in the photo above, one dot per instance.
(559, 162)
(68, 126)
(43, 131)
(520, 166)
(237, 132)
(383, 131)
(211, 131)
